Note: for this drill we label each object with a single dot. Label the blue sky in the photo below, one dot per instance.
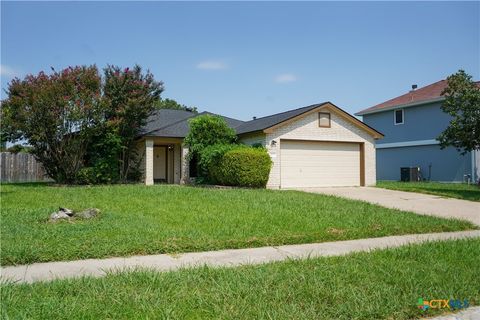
(254, 58)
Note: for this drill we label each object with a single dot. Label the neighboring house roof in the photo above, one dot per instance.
(430, 93)
(174, 123)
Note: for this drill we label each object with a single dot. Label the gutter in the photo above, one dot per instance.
(400, 106)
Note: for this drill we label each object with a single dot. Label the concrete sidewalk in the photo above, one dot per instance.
(226, 258)
(472, 313)
(408, 201)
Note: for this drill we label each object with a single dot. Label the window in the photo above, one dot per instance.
(398, 117)
(324, 120)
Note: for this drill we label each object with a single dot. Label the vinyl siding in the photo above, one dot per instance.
(421, 123)
(446, 165)
(424, 122)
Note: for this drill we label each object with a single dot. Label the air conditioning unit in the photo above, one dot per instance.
(410, 174)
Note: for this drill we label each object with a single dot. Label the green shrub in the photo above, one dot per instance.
(86, 175)
(242, 166)
(210, 159)
(207, 130)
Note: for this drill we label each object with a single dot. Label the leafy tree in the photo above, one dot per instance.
(172, 104)
(462, 102)
(207, 130)
(129, 98)
(82, 127)
(55, 114)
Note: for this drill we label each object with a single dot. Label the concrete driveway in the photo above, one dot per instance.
(408, 201)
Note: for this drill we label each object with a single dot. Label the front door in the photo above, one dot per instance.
(160, 164)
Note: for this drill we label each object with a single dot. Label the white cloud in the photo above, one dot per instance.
(212, 65)
(285, 78)
(6, 71)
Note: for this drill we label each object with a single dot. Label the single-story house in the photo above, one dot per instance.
(314, 146)
(412, 123)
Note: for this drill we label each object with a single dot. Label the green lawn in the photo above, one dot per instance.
(379, 285)
(451, 190)
(137, 220)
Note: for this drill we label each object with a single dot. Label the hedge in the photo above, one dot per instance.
(242, 166)
(210, 158)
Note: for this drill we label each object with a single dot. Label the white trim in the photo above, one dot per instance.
(407, 144)
(407, 105)
(149, 162)
(395, 117)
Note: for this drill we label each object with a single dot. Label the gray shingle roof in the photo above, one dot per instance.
(174, 123)
(163, 118)
(266, 122)
(232, 123)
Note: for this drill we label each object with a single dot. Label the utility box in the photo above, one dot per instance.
(410, 174)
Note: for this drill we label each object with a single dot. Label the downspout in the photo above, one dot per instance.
(474, 171)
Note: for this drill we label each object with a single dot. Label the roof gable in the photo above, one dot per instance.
(331, 108)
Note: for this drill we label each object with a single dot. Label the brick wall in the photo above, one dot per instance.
(306, 128)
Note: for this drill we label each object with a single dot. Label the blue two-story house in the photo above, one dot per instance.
(411, 124)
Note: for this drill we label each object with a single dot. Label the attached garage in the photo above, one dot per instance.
(315, 146)
(320, 164)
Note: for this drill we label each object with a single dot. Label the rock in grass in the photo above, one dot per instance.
(61, 214)
(87, 214)
(68, 214)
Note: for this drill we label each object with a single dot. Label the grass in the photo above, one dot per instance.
(379, 285)
(138, 220)
(451, 190)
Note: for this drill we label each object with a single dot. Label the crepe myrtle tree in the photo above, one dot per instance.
(129, 97)
(75, 119)
(54, 114)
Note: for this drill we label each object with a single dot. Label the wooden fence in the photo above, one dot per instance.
(20, 167)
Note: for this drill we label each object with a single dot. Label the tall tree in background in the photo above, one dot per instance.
(172, 104)
(462, 102)
(55, 114)
(129, 97)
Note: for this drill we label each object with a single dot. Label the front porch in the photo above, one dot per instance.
(164, 160)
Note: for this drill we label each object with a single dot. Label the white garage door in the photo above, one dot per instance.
(319, 164)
